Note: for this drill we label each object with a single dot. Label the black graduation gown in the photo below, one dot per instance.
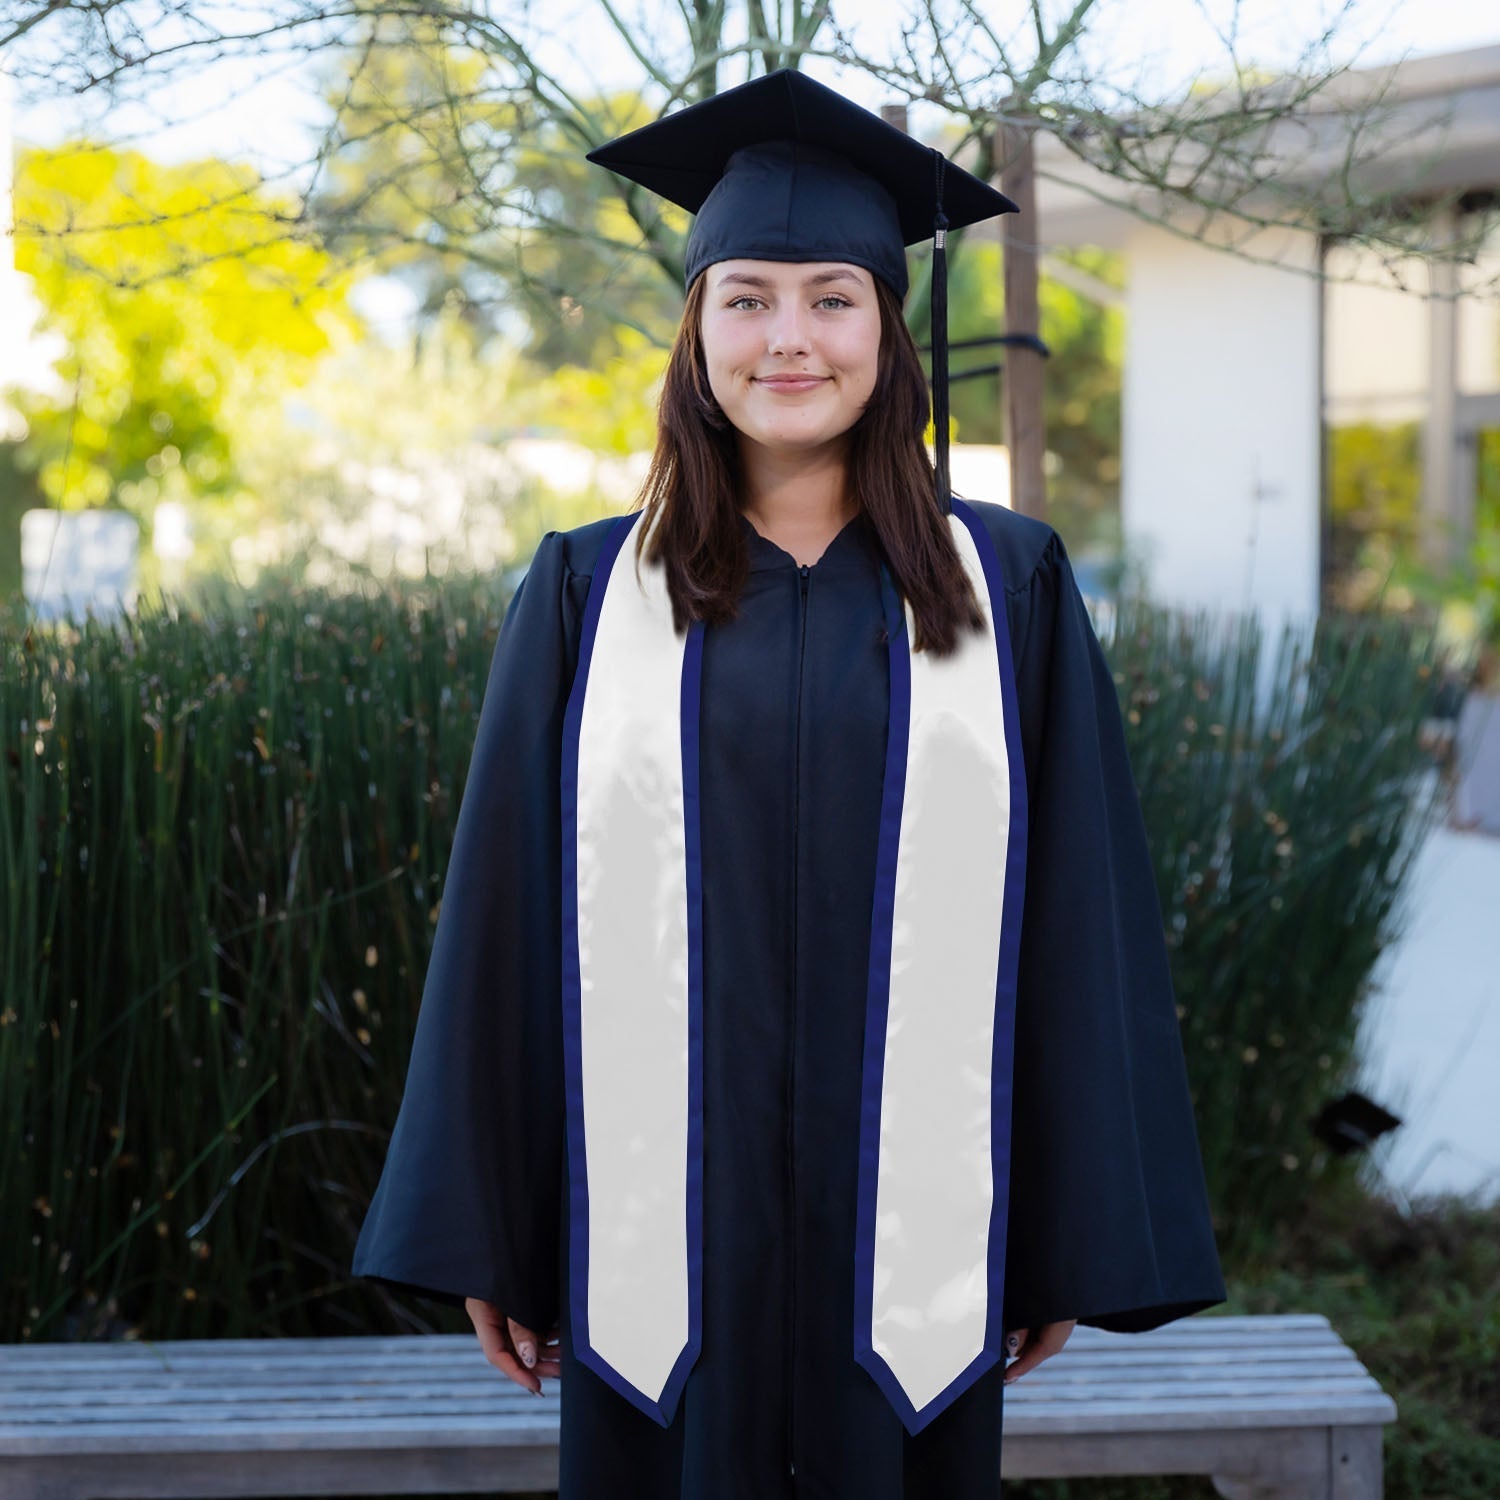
(1109, 1220)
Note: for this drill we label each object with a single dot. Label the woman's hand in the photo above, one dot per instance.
(1032, 1346)
(512, 1348)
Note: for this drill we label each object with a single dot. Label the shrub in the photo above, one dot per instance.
(223, 831)
(1285, 800)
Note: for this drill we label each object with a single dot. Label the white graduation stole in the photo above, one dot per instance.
(934, 1157)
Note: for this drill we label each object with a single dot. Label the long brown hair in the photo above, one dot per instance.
(694, 488)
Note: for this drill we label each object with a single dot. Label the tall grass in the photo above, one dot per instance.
(223, 829)
(1286, 800)
(221, 836)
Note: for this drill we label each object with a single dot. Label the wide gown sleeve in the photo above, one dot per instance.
(1109, 1214)
(469, 1200)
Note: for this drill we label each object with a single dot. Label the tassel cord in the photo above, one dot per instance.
(939, 309)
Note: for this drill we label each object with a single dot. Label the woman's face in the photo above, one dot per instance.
(765, 322)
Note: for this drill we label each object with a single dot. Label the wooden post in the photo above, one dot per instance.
(1021, 384)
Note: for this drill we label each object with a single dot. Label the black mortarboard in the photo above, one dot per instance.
(785, 168)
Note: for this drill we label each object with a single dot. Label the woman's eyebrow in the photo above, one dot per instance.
(746, 278)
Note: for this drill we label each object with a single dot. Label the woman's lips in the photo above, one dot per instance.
(791, 383)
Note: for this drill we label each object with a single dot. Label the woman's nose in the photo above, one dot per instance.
(788, 334)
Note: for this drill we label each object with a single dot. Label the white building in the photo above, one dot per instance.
(1238, 366)
(1236, 359)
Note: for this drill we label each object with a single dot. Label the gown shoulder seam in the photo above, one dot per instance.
(1047, 554)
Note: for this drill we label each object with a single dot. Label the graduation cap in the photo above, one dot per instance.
(785, 168)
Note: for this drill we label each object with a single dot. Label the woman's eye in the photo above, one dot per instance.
(832, 297)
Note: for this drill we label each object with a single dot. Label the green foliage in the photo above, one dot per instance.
(1486, 554)
(1082, 394)
(180, 301)
(609, 406)
(1374, 486)
(1081, 378)
(1467, 595)
(585, 293)
(223, 830)
(411, 185)
(460, 184)
(395, 458)
(1283, 833)
(224, 835)
(1376, 546)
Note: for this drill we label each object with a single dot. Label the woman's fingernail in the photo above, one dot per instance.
(528, 1354)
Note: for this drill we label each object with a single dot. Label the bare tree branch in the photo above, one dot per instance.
(1226, 161)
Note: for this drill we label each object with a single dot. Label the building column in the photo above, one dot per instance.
(1440, 528)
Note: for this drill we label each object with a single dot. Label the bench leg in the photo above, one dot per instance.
(1355, 1469)
(1354, 1472)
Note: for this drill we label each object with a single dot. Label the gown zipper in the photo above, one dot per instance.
(791, 1103)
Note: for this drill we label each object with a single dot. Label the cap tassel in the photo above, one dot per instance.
(939, 309)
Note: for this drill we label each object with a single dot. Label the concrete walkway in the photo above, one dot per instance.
(1430, 1034)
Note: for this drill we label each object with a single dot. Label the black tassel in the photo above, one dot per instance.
(939, 306)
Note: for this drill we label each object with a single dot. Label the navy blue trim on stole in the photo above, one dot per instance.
(692, 681)
(663, 1410)
(1003, 1064)
(878, 993)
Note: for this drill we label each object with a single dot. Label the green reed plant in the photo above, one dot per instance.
(222, 835)
(223, 830)
(1285, 801)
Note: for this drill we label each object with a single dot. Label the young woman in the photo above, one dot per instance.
(798, 1041)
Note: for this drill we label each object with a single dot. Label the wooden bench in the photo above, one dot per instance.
(1268, 1406)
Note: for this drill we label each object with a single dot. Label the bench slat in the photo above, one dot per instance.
(1238, 1330)
(1180, 1396)
(1310, 1379)
(1302, 1366)
(31, 1361)
(500, 1429)
(1206, 1382)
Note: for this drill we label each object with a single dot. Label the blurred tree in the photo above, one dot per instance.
(476, 198)
(181, 306)
(457, 137)
(1085, 336)
(453, 150)
(1373, 482)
